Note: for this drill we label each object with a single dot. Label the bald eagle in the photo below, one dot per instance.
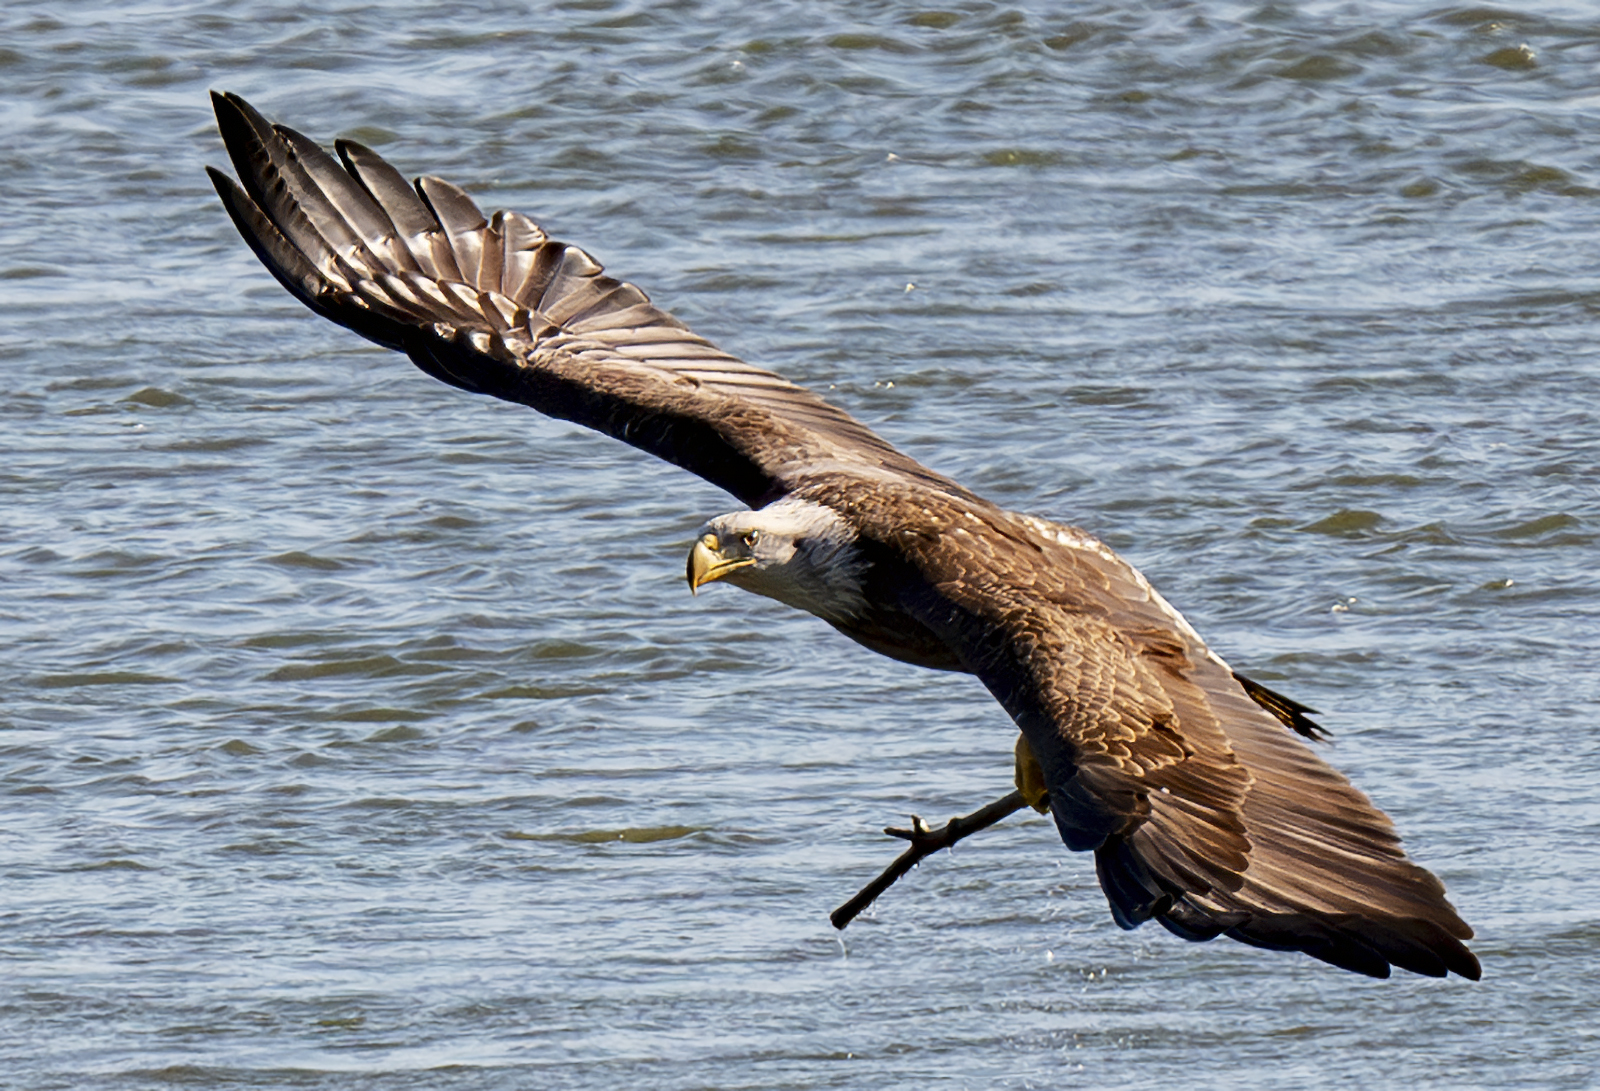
(1204, 810)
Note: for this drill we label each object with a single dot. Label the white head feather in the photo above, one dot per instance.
(796, 551)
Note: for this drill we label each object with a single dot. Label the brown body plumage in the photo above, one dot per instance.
(1204, 810)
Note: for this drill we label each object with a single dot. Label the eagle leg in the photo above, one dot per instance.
(925, 842)
(1030, 777)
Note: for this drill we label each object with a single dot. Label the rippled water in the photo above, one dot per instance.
(359, 733)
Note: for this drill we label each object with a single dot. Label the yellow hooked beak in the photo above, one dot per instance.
(706, 562)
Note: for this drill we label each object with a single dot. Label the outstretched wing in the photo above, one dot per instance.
(1204, 810)
(494, 306)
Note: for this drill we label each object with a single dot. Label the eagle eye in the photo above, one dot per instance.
(752, 537)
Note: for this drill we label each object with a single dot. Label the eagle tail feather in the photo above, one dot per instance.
(1366, 943)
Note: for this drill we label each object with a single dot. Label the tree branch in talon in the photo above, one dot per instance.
(925, 842)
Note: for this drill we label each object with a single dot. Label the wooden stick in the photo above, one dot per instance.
(925, 842)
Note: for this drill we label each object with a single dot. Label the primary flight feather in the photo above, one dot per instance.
(1188, 782)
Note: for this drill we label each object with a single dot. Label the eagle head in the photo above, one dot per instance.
(796, 551)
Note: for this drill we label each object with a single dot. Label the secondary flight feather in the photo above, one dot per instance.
(1204, 809)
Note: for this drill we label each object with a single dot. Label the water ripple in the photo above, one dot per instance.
(360, 733)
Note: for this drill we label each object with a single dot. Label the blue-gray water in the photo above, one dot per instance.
(359, 733)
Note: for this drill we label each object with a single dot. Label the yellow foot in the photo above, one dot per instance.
(1030, 777)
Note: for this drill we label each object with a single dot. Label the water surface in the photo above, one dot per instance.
(360, 733)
